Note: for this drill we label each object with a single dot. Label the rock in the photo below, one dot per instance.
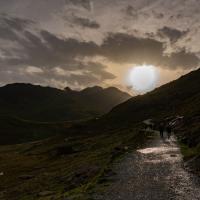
(26, 177)
(173, 155)
(81, 176)
(45, 193)
(1, 173)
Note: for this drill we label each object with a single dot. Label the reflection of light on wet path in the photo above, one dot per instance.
(153, 161)
(155, 172)
(157, 150)
(163, 151)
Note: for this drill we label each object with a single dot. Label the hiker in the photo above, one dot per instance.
(161, 129)
(169, 131)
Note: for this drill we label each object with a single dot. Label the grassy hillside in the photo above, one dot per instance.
(189, 138)
(62, 167)
(38, 103)
(15, 130)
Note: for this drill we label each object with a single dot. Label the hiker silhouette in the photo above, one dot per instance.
(161, 129)
(169, 131)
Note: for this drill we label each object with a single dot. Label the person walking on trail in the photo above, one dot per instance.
(169, 131)
(161, 129)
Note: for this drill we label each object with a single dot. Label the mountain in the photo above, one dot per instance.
(39, 103)
(179, 97)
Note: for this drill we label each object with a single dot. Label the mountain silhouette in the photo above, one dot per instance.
(39, 103)
(179, 97)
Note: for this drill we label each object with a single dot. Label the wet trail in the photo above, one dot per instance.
(153, 173)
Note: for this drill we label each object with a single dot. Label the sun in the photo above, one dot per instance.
(143, 78)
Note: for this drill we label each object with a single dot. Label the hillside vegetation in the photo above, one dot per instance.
(63, 166)
(15, 130)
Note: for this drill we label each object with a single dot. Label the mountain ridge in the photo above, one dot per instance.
(166, 99)
(38, 103)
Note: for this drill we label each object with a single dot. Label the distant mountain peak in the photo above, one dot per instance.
(68, 89)
(113, 89)
(39, 103)
(92, 89)
(179, 97)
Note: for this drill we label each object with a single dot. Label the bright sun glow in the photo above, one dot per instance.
(143, 78)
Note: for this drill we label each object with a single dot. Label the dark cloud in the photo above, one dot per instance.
(43, 52)
(10, 26)
(88, 78)
(130, 11)
(158, 15)
(99, 70)
(7, 34)
(124, 48)
(86, 4)
(173, 34)
(67, 49)
(181, 59)
(39, 54)
(95, 70)
(15, 23)
(85, 23)
(89, 74)
(48, 50)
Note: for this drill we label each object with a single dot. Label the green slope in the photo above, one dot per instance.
(15, 130)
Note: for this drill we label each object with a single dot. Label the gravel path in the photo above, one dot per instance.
(153, 173)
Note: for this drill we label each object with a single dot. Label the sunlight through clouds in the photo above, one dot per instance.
(143, 78)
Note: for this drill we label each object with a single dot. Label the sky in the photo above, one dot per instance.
(82, 43)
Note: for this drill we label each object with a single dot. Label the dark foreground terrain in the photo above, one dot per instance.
(62, 166)
(75, 160)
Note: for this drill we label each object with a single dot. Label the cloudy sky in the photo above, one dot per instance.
(81, 43)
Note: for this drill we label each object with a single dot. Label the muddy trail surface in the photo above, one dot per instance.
(155, 172)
